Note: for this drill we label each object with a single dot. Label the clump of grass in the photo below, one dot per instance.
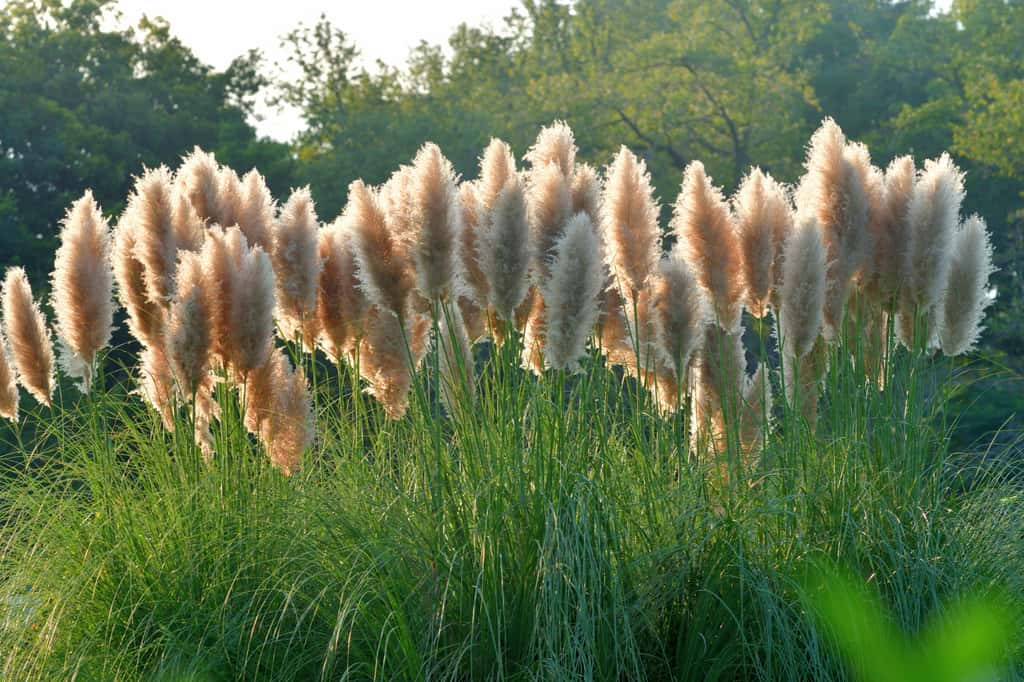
(600, 489)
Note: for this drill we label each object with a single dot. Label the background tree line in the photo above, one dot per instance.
(731, 82)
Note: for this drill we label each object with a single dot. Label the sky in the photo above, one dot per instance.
(220, 30)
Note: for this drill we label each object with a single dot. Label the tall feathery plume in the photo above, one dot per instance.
(150, 214)
(222, 253)
(279, 411)
(384, 269)
(890, 236)
(585, 190)
(967, 288)
(437, 223)
(571, 294)
(251, 312)
(83, 283)
(629, 224)
(505, 250)
(763, 223)
(455, 362)
(297, 267)
(472, 286)
(255, 215)
(189, 228)
(802, 315)
(719, 372)
(188, 330)
(680, 312)
(932, 216)
(156, 383)
(480, 205)
(145, 318)
(26, 332)
(550, 208)
(497, 167)
(555, 144)
(199, 179)
(341, 306)
(384, 362)
(706, 240)
(8, 385)
(833, 193)
(229, 197)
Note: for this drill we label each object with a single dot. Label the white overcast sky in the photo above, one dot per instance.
(220, 30)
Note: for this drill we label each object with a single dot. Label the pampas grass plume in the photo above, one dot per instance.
(384, 269)
(629, 223)
(680, 312)
(801, 313)
(504, 249)
(251, 312)
(891, 238)
(763, 223)
(342, 306)
(550, 208)
(150, 215)
(585, 190)
(497, 167)
(437, 223)
(199, 178)
(26, 332)
(555, 144)
(571, 294)
(706, 240)
(8, 384)
(82, 284)
(188, 331)
(296, 265)
(967, 288)
(255, 215)
(145, 318)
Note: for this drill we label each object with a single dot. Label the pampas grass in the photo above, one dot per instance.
(26, 331)
(189, 343)
(556, 145)
(297, 267)
(804, 281)
(706, 240)
(149, 216)
(505, 250)
(8, 383)
(436, 221)
(385, 268)
(764, 221)
(199, 179)
(341, 305)
(585, 190)
(629, 223)
(256, 209)
(250, 313)
(82, 283)
(966, 290)
(571, 294)
(680, 312)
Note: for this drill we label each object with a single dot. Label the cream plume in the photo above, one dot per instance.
(341, 306)
(802, 311)
(571, 294)
(629, 224)
(706, 240)
(278, 410)
(555, 144)
(891, 235)
(967, 288)
(718, 382)
(26, 332)
(384, 362)
(550, 208)
(255, 216)
(296, 266)
(932, 217)
(189, 230)
(8, 385)
(679, 312)
(229, 197)
(497, 167)
(612, 333)
(82, 284)
(833, 192)
(251, 311)
(504, 249)
(455, 362)
(145, 318)
(585, 189)
(156, 383)
(222, 253)
(437, 223)
(384, 270)
(150, 215)
(473, 225)
(763, 223)
(199, 179)
(188, 331)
